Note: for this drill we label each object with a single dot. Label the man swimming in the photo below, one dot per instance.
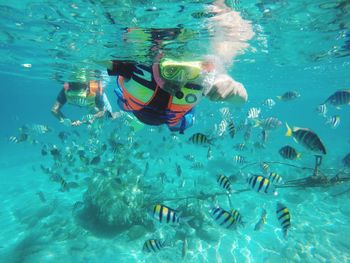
(83, 94)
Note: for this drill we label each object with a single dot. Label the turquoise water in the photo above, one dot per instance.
(301, 46)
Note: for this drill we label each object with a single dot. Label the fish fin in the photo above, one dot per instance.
(257, 123)
(279, 97)
(298, 155)
(289, 131)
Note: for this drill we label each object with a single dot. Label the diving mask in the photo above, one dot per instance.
(180, 72)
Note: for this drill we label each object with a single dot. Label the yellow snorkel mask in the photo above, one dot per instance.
(177, 74)
(180, 71)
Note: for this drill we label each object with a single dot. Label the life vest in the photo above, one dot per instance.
(83, 97)
(150, 103)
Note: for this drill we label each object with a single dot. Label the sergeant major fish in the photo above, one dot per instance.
(237, 216)
(269, 103)
(259, 184)
(275, 178)
(223, 218)
(339, 98)
(269, 123)
(284, 218)
(153, 246)
(200, 139)
(239, 159)
(253, 113)
(333, 121)
(231, 128)
(307, 138)
(165, 214)
(288, 152)
(288, 96)
(322, 110)
(224, 182)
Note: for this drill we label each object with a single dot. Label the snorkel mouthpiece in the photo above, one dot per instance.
(179, 94)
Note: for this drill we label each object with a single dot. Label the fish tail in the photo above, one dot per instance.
(279, 97)
(289, 131)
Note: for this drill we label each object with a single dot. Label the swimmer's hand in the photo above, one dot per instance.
(227, 89)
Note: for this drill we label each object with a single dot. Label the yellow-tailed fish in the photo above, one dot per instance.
(307, 138)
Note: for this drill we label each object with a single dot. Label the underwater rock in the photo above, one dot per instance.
(119, 203)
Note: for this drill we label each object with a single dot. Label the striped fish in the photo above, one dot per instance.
(269, 103)
(275, 178)
(253, 113)
(269, 123)
(197, 166)
(200, 139)
(288, 152)
(13, 139)
(333, 121)
(240, 147)
(224, 182)
(307, 138)
(165, 214)
(264, 167)
(40, 129)
(339, 98)
(225, 113)
(261, 222)
(222, 127)
(237, 216)
(322, 110)
(152, 246)
(283, 217)
(238, 159)
(261, 184)
(223, 218)
(288, 96)
(231, 128)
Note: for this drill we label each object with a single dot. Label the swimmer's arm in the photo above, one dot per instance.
(56, 111)
(230, 33)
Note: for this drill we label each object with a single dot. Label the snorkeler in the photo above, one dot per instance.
(83, 94)
(167, 91)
